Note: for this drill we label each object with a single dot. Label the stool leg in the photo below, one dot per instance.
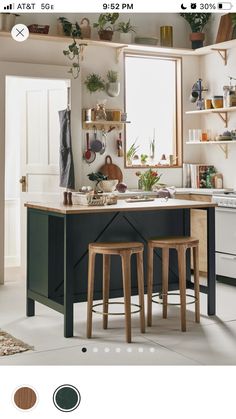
(165, 277)
(196, 284)
(182, 284)
(125, 258)
(149, 284)
(106, 283)
(141, 290)
(91, 267)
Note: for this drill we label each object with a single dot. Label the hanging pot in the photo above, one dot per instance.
(89, 155)
(113, 88)
(96, 144)
(197, 39)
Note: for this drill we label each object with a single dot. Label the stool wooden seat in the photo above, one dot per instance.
(124, 250)
(181, 244)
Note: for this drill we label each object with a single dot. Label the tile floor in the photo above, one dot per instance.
(212, 342)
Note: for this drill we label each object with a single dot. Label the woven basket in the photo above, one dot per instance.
(85, 28)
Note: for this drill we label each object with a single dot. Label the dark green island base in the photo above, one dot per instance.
(57, 249)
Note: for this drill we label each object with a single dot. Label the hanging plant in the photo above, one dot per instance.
(73, 51)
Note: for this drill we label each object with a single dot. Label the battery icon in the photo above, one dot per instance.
(225, 5)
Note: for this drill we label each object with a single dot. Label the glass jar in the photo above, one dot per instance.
(166, 36)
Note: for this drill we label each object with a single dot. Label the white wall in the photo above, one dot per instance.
(214, 73)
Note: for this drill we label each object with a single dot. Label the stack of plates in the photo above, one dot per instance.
(224, 138)
(146, 40)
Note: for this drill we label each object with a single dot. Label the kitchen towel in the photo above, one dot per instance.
(67, 176)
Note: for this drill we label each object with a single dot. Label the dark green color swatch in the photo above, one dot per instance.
(66, 398)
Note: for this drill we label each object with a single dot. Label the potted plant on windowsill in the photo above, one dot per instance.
(197, 22)
(125, 29)
(105, 30)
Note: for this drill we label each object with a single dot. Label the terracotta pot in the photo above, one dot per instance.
(105, 35)
(197, 39)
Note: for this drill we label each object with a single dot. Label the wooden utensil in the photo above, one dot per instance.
(112, 171)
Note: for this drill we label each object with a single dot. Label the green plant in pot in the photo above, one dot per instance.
(131, 153)
(197, 22)
(105, 30)
(68, 29)
(125, 29)
(113, 85)
(143, 158)
(94, 83)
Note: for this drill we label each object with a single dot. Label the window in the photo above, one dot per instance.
(153, 105)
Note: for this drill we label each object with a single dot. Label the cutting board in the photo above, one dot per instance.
(111, 170)
(225, 30)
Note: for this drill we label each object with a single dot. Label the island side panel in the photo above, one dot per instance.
(51, 248)
(122, 226)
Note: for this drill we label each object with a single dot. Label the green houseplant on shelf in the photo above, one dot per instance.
(148, 179)
(197, 22)
(105, 30)
(125, 29)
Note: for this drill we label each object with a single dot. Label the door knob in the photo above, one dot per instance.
(23, 183)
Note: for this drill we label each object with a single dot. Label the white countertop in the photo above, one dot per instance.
(203, 191)
(122, 205)
(134, 192)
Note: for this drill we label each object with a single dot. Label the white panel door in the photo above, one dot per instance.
(40, 140)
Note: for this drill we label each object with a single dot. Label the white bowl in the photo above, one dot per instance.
(108, 185)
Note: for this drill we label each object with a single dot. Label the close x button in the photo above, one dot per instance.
(20, 32)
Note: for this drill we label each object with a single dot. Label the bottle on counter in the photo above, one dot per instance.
(218, 181)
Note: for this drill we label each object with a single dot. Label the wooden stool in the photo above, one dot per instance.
(181, 244)
(124, 250)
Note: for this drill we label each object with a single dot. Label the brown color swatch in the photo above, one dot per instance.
(25, 398)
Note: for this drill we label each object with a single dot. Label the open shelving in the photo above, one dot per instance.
(221, 48)
(222, 112)
(223, 145)
(104, 124)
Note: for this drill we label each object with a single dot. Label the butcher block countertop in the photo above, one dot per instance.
(122, 205)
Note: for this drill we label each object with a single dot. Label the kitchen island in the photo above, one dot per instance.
(57, 248)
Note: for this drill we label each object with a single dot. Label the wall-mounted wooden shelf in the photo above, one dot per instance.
(222, 112)
(104, 125)
(222, 48)
(215, 110)
(223, 145)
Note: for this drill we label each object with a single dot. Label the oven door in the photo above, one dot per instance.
(226, 242)
(226, 230)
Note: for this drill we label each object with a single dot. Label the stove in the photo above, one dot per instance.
(226, 236)
(225, 199)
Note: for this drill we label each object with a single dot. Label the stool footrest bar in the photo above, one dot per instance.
(117, 313)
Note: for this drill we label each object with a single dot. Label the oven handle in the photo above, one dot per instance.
(229, 257)
(225, 209)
